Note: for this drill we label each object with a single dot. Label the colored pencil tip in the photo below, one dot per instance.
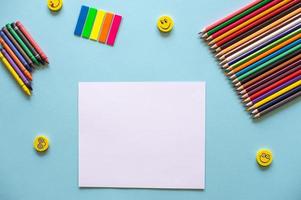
(242, 92)
(211, 43)
(213, 46)
(218, 49)
(245, 96)
(238, 84)
(250, 108)
(224, 62)
(235, 80)
(247, 101)
(256, 116)
(231, 77)
(209, 38)
(254, 111)
(249, 104)
(222, 57)
(229, 68)
(204, 35)
(225, 66)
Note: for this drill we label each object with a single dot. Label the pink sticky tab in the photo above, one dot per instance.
(114, 30)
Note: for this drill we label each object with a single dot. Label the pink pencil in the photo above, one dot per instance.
(114, 29)
(231, 15)
(32, 41)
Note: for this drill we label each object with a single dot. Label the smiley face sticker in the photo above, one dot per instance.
(165, 24)
(264, 157)
(55, 5)
(41, 143)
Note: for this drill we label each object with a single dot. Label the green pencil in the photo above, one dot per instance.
(237, 17)
(22, 44)
(295, 48)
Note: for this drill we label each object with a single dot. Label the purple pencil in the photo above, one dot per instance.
(18, 71)
(274, 90)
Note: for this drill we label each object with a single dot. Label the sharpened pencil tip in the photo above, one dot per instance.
(242, 92)
(204, 35)
(233, 76)
(249, 104)
(254, 111)
(245, 96)
(256, 116)
(218, 49)
(238, 84)
(235, 80)
(213, 46)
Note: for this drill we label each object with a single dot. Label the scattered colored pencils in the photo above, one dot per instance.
(259, 48)
(19, 53)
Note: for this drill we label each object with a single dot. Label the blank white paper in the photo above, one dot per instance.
(142, 135)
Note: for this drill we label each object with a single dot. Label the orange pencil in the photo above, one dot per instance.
(106, 27)
(17, 61)
(261, 31)
(249, 21)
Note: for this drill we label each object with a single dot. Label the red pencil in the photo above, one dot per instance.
(231, 15)
(32, 42)
(256, 23)
(242, 20)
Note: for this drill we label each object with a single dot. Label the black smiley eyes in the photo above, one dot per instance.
(164, 21)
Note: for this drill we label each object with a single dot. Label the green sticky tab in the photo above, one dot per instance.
(89, 22)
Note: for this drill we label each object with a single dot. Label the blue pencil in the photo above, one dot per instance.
(14, 49)
(263, 60)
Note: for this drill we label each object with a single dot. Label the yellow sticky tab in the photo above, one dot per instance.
(41, 143)
(97, 24)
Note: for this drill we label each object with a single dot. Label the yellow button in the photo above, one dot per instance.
(264, 157)
(165, 23)
(41, 143)
(55, 5)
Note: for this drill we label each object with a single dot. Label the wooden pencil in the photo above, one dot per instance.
(257, 25)
(277, 105)
(252, 97)
(276, 65)
(232, 60)
(244, 22)
(233, 17)
(295, 20)
(263, 83)
(266, 53)
(276, 45)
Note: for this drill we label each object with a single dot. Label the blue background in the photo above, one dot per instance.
(141, 53)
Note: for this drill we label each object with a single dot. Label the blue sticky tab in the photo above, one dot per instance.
(81, 20)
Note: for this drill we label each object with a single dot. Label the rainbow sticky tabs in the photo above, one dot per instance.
(98, 25)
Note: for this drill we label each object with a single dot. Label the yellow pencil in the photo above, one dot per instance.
(275, 95)
(15, 75)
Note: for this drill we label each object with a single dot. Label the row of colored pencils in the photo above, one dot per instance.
(20, 54)
(259, 48)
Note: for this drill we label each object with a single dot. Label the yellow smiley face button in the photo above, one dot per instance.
(55, 5)
(165, 23)
(41, 143)
(264, 157)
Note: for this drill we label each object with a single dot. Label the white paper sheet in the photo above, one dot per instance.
(142, 135)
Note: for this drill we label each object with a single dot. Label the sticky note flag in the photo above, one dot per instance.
(97, 24)
(114, 30)
(106, 28)
(81, 20)
(89, 22)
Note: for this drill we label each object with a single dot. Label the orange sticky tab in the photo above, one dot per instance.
(106, 27)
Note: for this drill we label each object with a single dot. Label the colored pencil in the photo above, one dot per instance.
(257, 68)
(261, 38)
(231, 16)
(263, 83)
(257, 25)
(266, 56)
(258, 96)
(259, 50)
(275, 95)
(255, 16)
(294, 16)
(277, 105)
(280, 62)
(231, 60)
